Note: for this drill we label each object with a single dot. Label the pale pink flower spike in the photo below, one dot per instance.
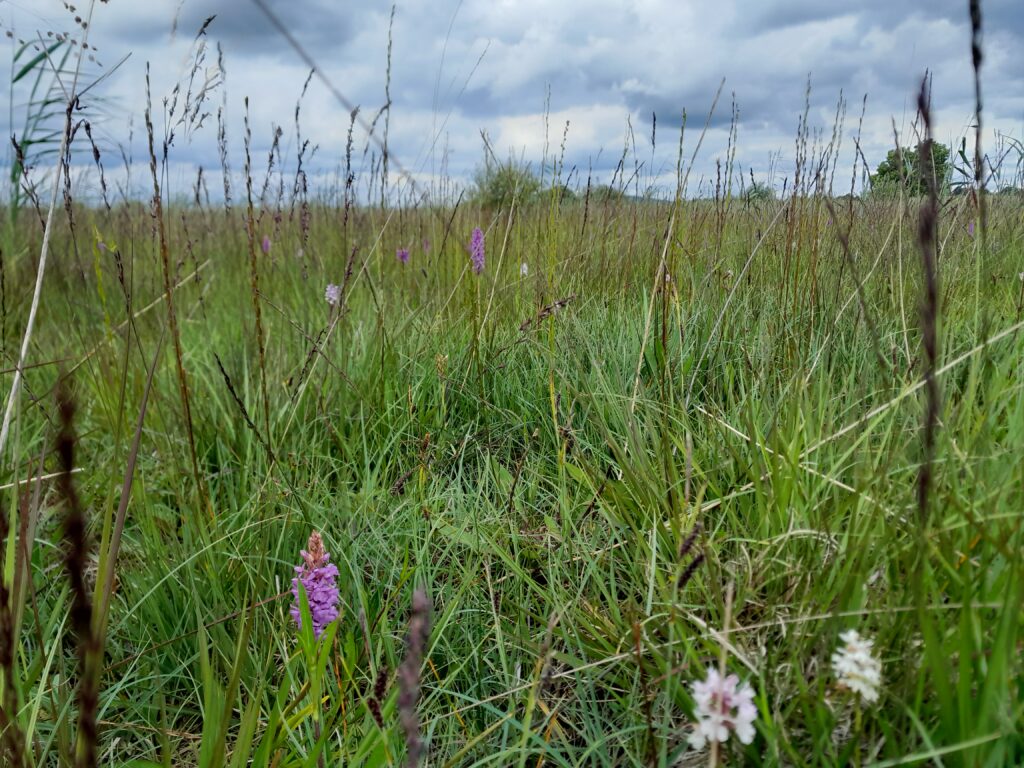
(724, 706)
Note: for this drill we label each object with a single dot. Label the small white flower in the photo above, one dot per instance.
(333, 294)
(723, 706)
(855, 666)
(524, 270)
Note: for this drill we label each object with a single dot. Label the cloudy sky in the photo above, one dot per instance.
(498, 66)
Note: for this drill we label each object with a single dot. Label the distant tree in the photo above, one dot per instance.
(759, 192)
(497, 184)
(607, 194)
(563, 193)
(905, 167)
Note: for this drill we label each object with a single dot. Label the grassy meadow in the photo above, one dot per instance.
(647, 438)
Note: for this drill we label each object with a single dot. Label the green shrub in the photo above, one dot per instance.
(497, 184)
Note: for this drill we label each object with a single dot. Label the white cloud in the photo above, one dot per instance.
(604, 62)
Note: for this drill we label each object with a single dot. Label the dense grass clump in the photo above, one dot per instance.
(543, 456)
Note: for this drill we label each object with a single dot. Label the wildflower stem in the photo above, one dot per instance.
(723, 655)
(857, 729)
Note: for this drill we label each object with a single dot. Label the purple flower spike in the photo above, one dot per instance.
(403, 255)
(970, 228)
(266, 243)
(426, 245)
(318, 578)
(476, 247)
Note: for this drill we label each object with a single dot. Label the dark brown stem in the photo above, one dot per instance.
(409, 676)
(75, 561)
(927, 231)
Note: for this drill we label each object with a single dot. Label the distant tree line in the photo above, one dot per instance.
(496, 184)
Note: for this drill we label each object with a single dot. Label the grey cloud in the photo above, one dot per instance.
(870, 13)
(239, 24)
(244, 29)
(771, 93)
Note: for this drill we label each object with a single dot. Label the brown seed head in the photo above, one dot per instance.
(315, 556)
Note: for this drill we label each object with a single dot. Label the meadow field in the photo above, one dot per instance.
(566, 468)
